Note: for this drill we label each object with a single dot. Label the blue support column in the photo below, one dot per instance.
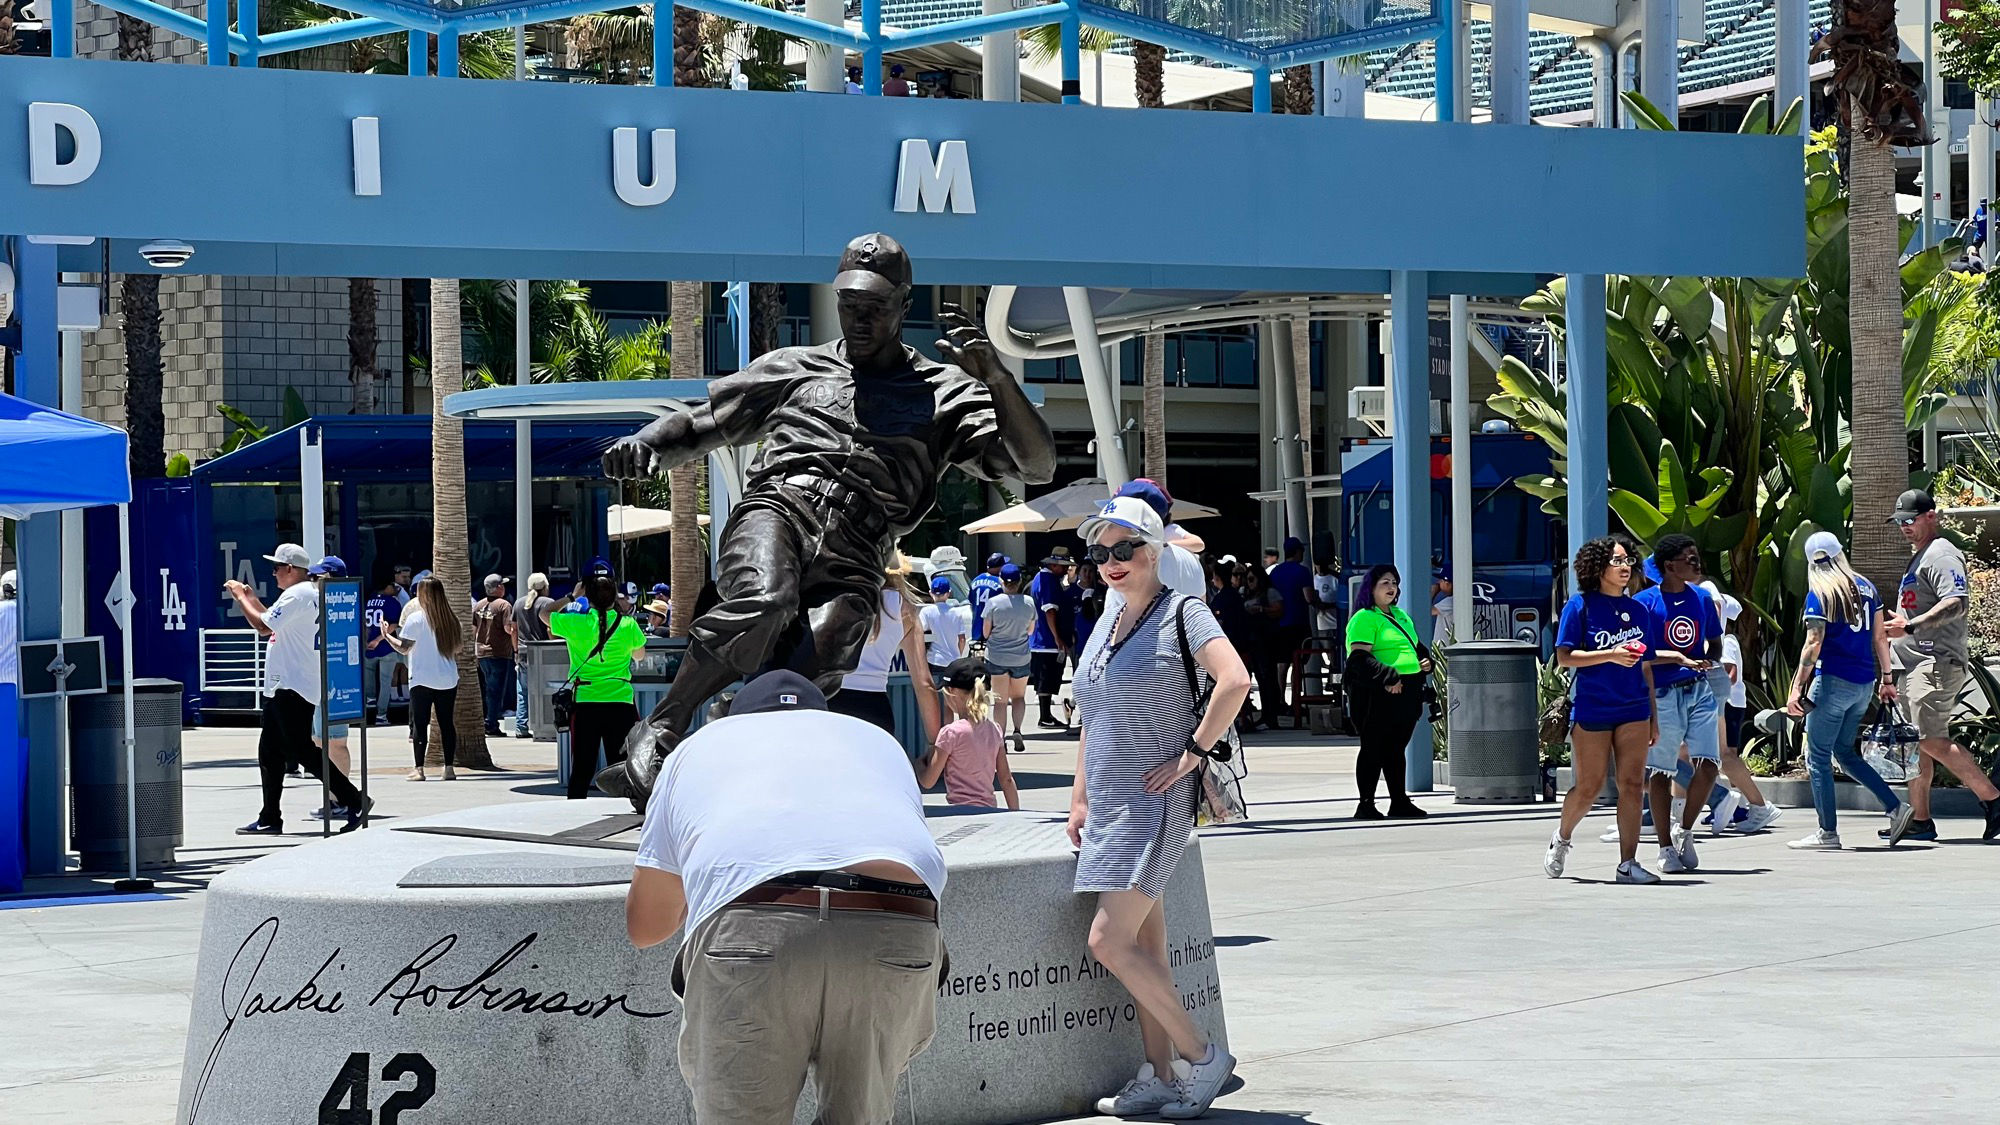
(420, 53)
(218, 32)
(1410, 471)
(871, 55)
(1072, 60)
(62, 29)
(1446, 50)
(246, 26)
(448, 55)
(38, 542)
(1586, 361)
(663, 45)
(1260, 90)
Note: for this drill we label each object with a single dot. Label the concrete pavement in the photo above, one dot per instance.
(1380, 972)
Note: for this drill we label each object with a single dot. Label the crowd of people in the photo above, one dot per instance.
(1655, 702)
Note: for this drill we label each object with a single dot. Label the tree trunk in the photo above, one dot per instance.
(145, 420)
(8, 43)
(361, 342)
(1149, 74)
(690, 69)
(416, 344)
(1879, 461)
(1301, 337)
(1153, 408)
(1299, 90)
(450, 561)
(139, 308)
(687, 569)
(767, 315)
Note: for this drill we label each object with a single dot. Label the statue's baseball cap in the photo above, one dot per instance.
(782, 690)
(1911, 504)
(874, 263)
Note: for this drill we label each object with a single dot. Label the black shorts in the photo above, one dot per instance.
(1045, 672)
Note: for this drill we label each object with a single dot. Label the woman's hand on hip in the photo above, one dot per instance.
(1162, 777)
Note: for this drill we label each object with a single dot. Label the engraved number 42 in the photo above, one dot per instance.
(346, 1101)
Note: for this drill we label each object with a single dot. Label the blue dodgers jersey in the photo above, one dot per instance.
(1849, 649)
(1592, 622)
(1684, 622)
(983, 587)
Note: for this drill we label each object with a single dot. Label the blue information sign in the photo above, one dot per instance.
(340, 646)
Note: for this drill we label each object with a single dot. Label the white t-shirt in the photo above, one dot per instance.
(751, 796)
(429, 667)
(1732, 657)
(947, 625)
(1441, 622)
(10, 640)
(871, 672)
(1327, 586)
(291, 660)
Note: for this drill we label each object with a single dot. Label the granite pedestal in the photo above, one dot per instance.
(453, 980)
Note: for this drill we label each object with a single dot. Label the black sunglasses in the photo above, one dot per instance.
(1123, 550)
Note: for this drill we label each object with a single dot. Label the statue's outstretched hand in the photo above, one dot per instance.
(966, 345)
(631, 459)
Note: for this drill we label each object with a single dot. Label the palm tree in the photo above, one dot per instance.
(686, 302)
(1149, 89)
(450, 562)
(8, 43)
(1879, 110)
(139, 308)
(1299, 90)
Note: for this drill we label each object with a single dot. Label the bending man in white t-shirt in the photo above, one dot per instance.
(794, 837)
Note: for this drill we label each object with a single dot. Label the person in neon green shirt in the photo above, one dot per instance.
(1386, 667)
(604, 713)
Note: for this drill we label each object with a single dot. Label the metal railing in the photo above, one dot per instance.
(232, 664)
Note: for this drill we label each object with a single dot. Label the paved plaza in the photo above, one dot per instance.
(1380, 972)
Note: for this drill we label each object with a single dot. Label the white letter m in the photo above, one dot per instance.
(948, 179)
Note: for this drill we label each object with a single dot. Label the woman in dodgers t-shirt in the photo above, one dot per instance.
(1603, 635)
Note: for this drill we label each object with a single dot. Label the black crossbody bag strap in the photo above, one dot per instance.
(603, 639)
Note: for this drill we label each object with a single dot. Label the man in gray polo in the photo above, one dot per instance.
(792, 844)
(1928, 628)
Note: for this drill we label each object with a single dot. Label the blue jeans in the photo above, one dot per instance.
(496, 686)
(378, 676)
(1832, 727)
(521, 702)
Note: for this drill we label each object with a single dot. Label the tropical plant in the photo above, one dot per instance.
(1731, 397)
(245, 430)
(450, 560)
(1880, 110)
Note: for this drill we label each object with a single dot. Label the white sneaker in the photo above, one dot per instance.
(1558, 854)
(1144, 1094)
(1670, 862)
(1631, 872)
(1197, 1091)
(1680, 805)
(1611, 834)
(1760, 818)
(1819, 841)
(1725, 813)
(1689, 861)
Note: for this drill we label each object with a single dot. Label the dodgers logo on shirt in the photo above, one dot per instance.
(1681, 632)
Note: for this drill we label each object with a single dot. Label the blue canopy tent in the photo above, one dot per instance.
(53, 462)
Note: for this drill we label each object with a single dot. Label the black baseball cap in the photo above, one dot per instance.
(874, 263)
(782, 690)
(964, 673)
(1911, 504)
(996, 559)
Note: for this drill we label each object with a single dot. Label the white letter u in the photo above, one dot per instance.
(625, 167)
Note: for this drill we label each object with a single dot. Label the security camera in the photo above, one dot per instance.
(167, 253)
(6, 292)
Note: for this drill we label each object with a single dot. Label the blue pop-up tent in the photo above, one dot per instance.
(53, 462)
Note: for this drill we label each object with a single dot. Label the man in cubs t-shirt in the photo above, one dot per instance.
(1685, 622)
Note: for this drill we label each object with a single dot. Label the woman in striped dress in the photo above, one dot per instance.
(1132, 807)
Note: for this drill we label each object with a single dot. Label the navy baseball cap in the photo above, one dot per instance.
(420, 576)
(661, 589)
(940, 585)
(1294, 543)
(1010, 573)
(329, 566)
(599, 567)
(782, 690)
(1154, 496)
(996, 559)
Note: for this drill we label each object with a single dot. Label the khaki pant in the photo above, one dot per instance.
(772, 989)
(1930, 690)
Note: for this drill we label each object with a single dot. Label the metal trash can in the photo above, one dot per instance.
(545, 666)
(1495, 742)
(97, 774)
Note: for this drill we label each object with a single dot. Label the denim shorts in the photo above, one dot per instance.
(1018, 671)
(1688, 714)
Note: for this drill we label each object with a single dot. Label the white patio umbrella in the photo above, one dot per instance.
(1065, 509)
(630, 522)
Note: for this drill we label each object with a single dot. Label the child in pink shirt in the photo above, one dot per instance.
(969, 754)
